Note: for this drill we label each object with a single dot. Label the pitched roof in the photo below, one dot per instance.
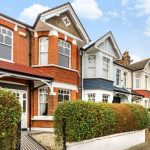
(139, 65)
(23, 70)
(15, 20)
(54, 8)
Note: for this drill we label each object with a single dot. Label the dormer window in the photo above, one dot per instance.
(6, 44)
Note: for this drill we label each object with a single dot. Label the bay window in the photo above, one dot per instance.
(43, 48)
(64, 50)
(6, 44)
(91, 97)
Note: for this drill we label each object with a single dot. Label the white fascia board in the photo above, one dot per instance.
(65, 86)
(58, 11)
(114, 43)
(15, 23)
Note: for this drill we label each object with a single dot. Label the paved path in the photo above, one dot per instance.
(28, 143)
(144, 146)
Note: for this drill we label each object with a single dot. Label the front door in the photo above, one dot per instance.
(22, 97)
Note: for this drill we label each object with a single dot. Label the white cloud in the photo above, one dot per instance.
(143, 6)
(88, 9)
(29, 14)
(135, 58)
(124, 2)
(113, 14)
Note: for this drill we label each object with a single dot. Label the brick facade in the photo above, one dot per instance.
(61, 75)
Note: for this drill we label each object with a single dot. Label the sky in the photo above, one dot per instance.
(129, 20)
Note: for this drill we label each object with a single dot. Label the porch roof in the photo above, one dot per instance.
(23, 70)
(121, 90)
(133, 92)
(145, 93)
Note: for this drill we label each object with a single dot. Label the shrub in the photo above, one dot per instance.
(86, 120)
(10, 115)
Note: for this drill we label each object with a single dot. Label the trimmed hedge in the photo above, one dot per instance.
(87, 120)
(10, 115)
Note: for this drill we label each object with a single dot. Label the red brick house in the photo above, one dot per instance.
(41, 63)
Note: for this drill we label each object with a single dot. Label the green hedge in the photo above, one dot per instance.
(86, 120)
(10, 115)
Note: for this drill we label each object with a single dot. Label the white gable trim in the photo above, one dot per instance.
(114, 43)
(147, 64)
(58, 11)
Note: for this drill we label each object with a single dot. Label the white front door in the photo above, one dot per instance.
(22, 97)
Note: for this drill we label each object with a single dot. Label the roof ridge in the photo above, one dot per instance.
(140, 61)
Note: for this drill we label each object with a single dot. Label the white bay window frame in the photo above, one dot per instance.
(8, 33)
(43, 50)
(63, 47)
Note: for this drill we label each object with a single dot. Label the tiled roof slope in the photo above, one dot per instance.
(144, 93)
(22, 69)
(139, 65)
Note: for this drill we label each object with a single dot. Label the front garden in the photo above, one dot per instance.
(10, 116)
(88, 120)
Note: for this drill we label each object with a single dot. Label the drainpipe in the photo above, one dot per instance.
(81, 85)
(30, 83)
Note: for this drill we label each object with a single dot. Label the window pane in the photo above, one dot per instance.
(8, 40)
(24, 106)
(44, 109)
(9, 33)
(1, 38)
(44, 58)
(3, 31)
(60, 98)
(63, 61)
(66, 97)
(5, 52)
(67, 52)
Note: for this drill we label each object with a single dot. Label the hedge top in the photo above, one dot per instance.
(86, 120)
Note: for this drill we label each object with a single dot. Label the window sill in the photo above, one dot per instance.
(43, 118)
(53, 65)
(6, 60)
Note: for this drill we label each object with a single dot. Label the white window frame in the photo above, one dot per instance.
(106, 63)
(105, 98)
(64, 18)
(138, 78)
(44, 37)
(45, 88)
(146, 82)
(69, 94)
(118, 78)
(125, 78)
(93, 67)
(91, 97)
(69, 56)
(12, 51)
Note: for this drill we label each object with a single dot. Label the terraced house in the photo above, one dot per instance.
(41, 59)
(52, 61)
